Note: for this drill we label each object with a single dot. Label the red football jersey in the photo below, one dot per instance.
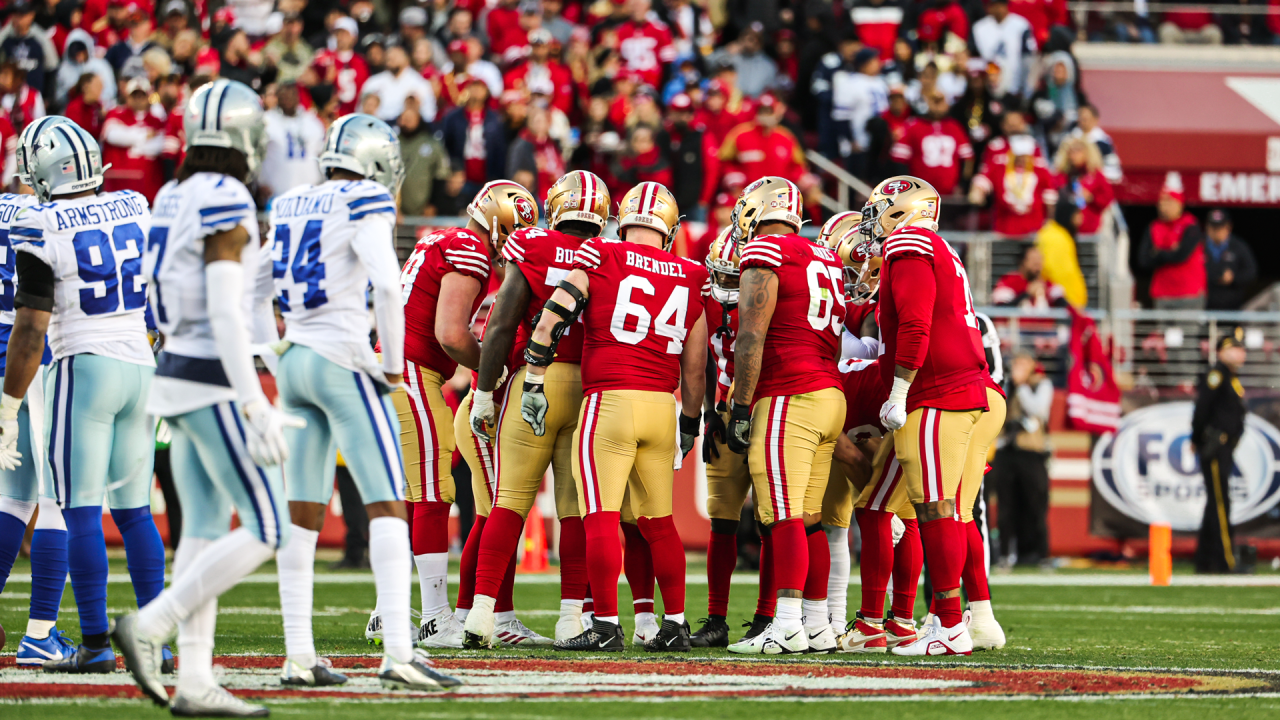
(927, 322)
(934, 151)
(642, 302)
(130, 169)
(803, 342)
(864, 393)
(544, 257)
(347, 72)
(645, 48)
(722, 336)
(447, 251)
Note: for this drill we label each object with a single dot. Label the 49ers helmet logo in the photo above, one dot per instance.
(895, 187)
(525, 210)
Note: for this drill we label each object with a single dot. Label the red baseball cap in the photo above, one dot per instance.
(767, 101)
(681, 101)
(457, 46)
(715, 86)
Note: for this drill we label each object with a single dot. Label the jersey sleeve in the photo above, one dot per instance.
(27, 234)
(513, 250)
(462, 255)
(588, 256)
(225, 206)
(370, 199)
(906, 244)
(706, 281)
(762, 252)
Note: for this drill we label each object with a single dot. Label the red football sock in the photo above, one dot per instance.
(604, 560)
(637, 563)
(408, 509)
(497, 549)
(667, 553)
(790, 554)
(722, 558)
(430, 529)
(908, 558)
(876, 562)
(767, 602)
(944, 546)
(815, 581)
(467, 565)
(504, 602)
(573, 559)
(975, 564)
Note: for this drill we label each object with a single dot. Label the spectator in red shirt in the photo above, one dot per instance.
(762, 147)
(503, 24)
(535, 160)
(1043, 15)
(341, 67)
(644, 42)
(1022, 190)
(936, 148)
(541, 68)
(1172, 251)
(643, 160)
(877, 23)
(1025, 287)
(84, 107)
(132, 140)
(725, 106)
(1079, 164)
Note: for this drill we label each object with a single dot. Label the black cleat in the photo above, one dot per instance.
(756, 626)
(713, 633)
(602, 637)
(672, 637)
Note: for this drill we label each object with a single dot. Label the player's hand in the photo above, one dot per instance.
(482, 413)
(394, 379)
(898, 528)
(533, 405)
(264, 432)
(713, 431)
(739, 428)
(688, 434)
(893, 413)
(10, 458)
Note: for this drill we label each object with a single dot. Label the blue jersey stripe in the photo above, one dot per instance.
(360, 202)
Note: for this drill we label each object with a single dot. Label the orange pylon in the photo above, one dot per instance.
(535, 544)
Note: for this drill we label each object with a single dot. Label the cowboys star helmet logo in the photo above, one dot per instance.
(525, 210)
(895, 187)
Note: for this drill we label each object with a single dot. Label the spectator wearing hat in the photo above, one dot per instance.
(1008, 41)
(1172, 250)
(22, 102)
(27, 44)
(172, 22)
(342, 67)
(132, 140)
(858, 97)
(295, 139)
(1079, 166)
(80, 58)
(1021, 189)
(725, 106)
(134, 43)
(541, 70)
(877, 23)
(413, 26)
(686, 146)
(997, 153)
(474, 137)
(1217, 424)
(1229, 263)
(398, 82)
(761, 147)
(84, 104)
(476, 66)
(426, 164)
(935, 148)
(645, 43)
(756, 72)
(288, 51)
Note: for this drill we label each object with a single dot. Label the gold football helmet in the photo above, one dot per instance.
(898, 201)
(502, 207)
(834, 229)
(861, 271)
(653, 206)
(722, 263)
(768, 199)
(580, 196)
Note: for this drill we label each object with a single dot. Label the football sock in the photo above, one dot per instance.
(48, 568)
(815, 615)
(497, 548)
(722, 558)
(876, 560)
(767, 599)
(908, 558)
(819, 571)
(295, 565)
(144, 551)
(87, 564)
(611, 619)
(790, 613)
(467, 565)
(503, 616)
(430, 554)
(637, 564)
(604, 561)
(14, 516)
(838, 577)
(195, 633)
(945, 549)
(668, 560)
(573, 559)
(388, 553)
(505, 591)
(975, 564)
(790, 555)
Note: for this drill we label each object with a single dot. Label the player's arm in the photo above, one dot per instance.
(915, 312)
(376, 250)
(453, 319)
(856, 455)
(504, 319)
(757, 299)
(693, 383)
(561, 311)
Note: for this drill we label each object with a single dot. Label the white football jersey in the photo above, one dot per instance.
(94, 245)
(10, 204)
(294, 145)
(190, 374)
(319, 238)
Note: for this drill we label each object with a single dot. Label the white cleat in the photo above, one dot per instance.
(515, 634)
(822, 641)
(936, 640)
(570, 623)
(773, 641)
(478, 632)
(983, 627)
(443, 630)
(214, 702)
(142, 657)
(647, 628)
(373, 628)
(417, 674)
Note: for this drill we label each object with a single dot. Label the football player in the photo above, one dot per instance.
(576, 209)
(788, 410)
(645, 336)
(444, 283)
(934, 359)
(79, 267)
(25, 486)
(329, 243)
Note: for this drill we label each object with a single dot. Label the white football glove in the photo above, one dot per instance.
(10, 458)
(899, 528)
(893, 414)
(482, 414)
(264, 431)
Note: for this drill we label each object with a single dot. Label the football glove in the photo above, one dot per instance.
(10, 458)
(893, 414)
(264, 431)
(713, 430)
(739, 428)
(688, 434)
(482, 414)
(533, 404)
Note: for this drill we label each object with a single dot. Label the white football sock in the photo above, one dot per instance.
(195, 633)
(462, 613)
(296, 569)
(815, 614)
(838, 578)
(789, 612)
(433, 581)
(223, 564)
(645, 617)
(981, 609)
(612, 619)
(504, 617)
(388, 550)
(570, 606)
(673, 617)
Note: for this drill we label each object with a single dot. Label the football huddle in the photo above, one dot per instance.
(838, 379)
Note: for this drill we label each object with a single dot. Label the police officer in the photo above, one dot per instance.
(1216, 428)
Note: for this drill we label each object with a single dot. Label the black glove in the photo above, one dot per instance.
(713, 430)
(688, 433)
(739, 428)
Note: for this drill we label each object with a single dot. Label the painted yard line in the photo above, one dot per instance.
(1139, 609)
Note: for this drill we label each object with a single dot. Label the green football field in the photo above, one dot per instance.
(1079, 642)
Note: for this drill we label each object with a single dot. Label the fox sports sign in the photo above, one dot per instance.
(1148, 471)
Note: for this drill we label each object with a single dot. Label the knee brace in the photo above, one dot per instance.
(540, 355)
(812, 529)
(724, 527)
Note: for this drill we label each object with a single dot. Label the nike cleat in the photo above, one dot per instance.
(773, 641)
(713, 633)
(897, 632)
(602, 637)
(417, 674)
(478, 631)
(822, 641)
(373, 629)
(442, 630)
(84, 661)
(863, 637)
(757, 625)
(34, 653)
(983, 627)
(671, 637)
(142, 657)
(647, 628)
(515, 634)
(937, 640)
(294, 674)
(214, 702)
